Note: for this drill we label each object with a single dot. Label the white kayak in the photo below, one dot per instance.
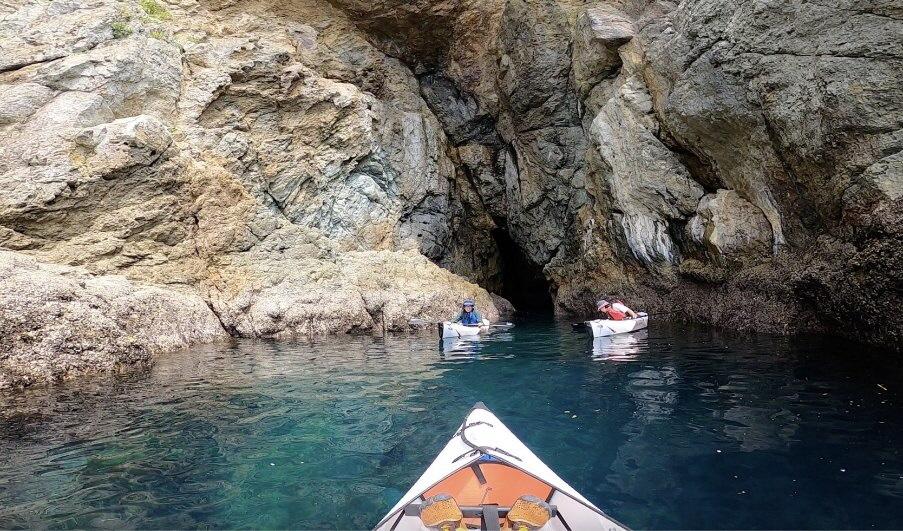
(609, 327)
(449, 329)
(486, 478)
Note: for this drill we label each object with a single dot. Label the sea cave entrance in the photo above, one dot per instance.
(522, 281)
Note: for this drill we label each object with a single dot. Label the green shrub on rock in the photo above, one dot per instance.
(121, 29)
(154, 9)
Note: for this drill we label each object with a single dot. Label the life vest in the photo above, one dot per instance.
(469, 318)
(615, 315)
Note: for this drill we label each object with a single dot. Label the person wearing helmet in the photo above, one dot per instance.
(469, 315)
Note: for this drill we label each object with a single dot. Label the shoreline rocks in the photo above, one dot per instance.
(57, 322)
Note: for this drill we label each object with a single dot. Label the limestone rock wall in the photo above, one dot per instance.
(264, 156)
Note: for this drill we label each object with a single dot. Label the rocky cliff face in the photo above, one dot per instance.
(305, 166)
(738, 161)
(265, 159)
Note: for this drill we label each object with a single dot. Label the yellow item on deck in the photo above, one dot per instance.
(442, 512)
(529, 513)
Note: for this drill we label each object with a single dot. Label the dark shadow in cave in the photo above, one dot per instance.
(522, 281)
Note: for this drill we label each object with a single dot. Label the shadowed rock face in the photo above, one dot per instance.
(306, 166)
(666, 151)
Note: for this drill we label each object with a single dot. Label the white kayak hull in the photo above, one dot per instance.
(449, 329)
(608, 327)
(486, 469)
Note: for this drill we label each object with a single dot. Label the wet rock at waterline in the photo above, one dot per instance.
(58, 321)
(303, 166)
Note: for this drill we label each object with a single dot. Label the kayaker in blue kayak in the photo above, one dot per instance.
(469, 315)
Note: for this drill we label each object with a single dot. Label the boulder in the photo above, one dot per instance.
(730, 229)
(57, 322)
(599, 32)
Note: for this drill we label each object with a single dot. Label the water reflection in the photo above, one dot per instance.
(460, 349)
(620, 347)
(473, 348)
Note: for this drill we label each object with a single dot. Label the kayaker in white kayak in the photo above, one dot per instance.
(469, 315)
(615, 310)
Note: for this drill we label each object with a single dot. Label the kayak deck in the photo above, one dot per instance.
(449, 329)
(489, 482)
(486, 478)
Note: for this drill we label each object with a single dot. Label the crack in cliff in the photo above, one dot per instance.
(778, 53)
(775, 142)
(873, 57)
(377, 315)
(705, 49)
(857, 11)
(231, 330)
(276, 203)
(18, 66)
(46, 59)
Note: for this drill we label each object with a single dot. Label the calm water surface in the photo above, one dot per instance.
(670, 428)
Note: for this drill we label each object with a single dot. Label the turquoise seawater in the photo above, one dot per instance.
(668, 428)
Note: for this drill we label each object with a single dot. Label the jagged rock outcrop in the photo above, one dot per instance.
(267, 157)
(58, 322)
(635, 133)
(304, 165)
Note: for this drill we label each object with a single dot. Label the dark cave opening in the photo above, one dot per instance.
(522, 281)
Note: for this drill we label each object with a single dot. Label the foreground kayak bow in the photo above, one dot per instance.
(486, 478)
